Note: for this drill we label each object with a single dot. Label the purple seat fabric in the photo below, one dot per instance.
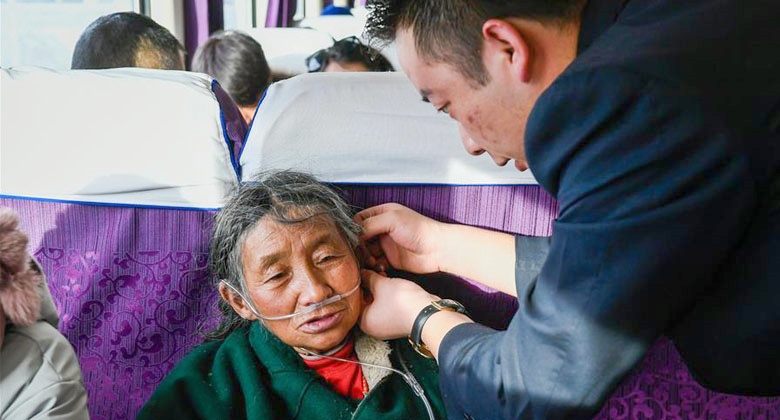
(233, 123)
(661, 387)
(131, 286)
(133, 291)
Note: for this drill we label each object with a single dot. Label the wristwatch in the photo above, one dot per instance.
(415, 337)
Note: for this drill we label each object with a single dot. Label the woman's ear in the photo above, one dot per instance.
(236, 302)
(504, 45)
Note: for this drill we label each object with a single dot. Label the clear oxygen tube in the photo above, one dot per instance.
(306, 310)
(407, 376)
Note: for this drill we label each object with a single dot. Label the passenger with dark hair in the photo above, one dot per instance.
(661, 142)
(283, 258)
(348, 54)
(238, 63)
(127, 39)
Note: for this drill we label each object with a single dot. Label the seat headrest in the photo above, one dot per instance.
(129, 136)
(363, 128)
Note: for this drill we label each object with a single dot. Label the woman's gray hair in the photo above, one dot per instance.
(287, 197)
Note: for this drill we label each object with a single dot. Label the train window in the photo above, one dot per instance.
(44, 32)
(243, 14)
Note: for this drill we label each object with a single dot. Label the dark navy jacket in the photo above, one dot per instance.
(661, 143)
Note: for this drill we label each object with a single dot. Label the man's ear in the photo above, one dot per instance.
(503, 44)
(236, 302)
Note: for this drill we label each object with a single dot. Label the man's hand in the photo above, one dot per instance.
(393, 305)
(406, 240)
(402, 237)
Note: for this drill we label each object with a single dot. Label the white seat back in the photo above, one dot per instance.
(363, 128)
(132, 135)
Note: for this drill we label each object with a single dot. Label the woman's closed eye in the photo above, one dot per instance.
(328, 258)
(275, 277)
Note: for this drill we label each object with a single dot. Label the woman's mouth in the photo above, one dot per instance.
(320, 323)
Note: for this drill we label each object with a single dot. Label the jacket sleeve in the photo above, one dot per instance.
(653, 192)
(42, 379)
(530, 254)
(64, 400)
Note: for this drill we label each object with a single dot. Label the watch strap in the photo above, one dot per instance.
(415, 337)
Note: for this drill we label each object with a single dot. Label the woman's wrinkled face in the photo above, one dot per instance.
(288, 267)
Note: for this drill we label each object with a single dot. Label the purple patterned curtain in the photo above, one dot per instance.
(280, 13)
(202, 18)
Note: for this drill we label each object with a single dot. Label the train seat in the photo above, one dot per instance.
(126, 253)
(115, 175)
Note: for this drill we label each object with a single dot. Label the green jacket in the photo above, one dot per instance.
(253, 375)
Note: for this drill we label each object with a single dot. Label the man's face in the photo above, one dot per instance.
(491, 117)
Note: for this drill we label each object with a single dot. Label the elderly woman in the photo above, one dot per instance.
(283, 252)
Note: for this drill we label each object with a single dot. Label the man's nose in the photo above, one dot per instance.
(468, 143)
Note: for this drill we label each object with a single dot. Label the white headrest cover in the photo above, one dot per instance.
(283, 41)
(337, 26)
(363, 128)
(131, 136)
(286, 49)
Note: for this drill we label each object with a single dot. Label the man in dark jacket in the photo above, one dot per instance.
(656, 125)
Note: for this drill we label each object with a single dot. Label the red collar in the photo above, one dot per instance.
(346, 378)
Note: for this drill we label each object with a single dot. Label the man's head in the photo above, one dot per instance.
(127, 39)
(238, 63)
(483, 62)
(345, 55)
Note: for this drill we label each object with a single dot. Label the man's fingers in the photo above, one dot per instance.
(378, 220)
(372, 211)
(376, 225)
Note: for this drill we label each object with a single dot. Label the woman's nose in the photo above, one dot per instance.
(314, 287)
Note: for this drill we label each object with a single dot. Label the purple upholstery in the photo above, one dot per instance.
(661, 387)
(233, 124)
(527, 210)
(132, 288)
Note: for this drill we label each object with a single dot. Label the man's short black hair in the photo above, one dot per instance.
(127, 39)
(346, 51)
(450, 31)
(238, 63)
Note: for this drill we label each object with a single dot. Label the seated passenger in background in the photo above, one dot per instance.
(40, 376)
(283, 256)
(348, 54)
(238, 63)
(127, 39)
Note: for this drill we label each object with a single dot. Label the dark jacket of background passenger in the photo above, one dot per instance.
(661, 144)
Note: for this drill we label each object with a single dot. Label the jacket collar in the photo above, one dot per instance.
(597, 17)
